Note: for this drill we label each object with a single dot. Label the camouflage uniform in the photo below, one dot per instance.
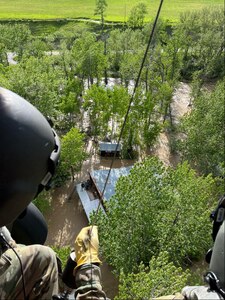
(40, 273)
(88, 285)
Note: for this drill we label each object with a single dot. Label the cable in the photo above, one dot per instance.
(129, 107)
(125, 120)
(21, 266)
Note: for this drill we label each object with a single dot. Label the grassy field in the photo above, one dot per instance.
(118, 10)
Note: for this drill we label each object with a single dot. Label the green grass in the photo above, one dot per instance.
(118, 10)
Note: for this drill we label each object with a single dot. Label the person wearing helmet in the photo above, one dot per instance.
(29, 153)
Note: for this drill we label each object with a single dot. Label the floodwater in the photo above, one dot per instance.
(180, 106)
(65, 220)
(67, 216)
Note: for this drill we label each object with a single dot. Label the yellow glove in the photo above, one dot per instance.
(86, 246)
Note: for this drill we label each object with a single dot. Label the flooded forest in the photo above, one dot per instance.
(82, 77)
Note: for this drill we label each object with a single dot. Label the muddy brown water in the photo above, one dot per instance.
(65, 220)
(67, 217)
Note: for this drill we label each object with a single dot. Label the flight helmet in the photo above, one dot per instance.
(29, 154)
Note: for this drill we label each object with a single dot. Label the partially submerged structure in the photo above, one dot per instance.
(98, 179)
(90, 192)
(109, 149)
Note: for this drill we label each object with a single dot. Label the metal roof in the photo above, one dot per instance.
(109, 147)
(88, 205)
(99, 177)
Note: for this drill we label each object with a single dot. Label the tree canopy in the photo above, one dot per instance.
(154, 209)
(83, 79)
(203, 141)
(100, 9)
(72, 155)
(161, 277)
(137, 15)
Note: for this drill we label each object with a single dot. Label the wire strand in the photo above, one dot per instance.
(129, 108)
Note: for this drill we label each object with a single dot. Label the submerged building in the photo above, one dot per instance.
(90, 191)
(110, 149)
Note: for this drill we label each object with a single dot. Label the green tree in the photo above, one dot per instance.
(15, 37)
(203, 43)
(129, 67)
(203, 145)
(162, 71)
(151, 124)
(160, 278)
(63, 253)
(65, 62)
(65, 36)
(89, 58)
(137, 15)
(3, 55)
(143, 124)
(4, 82)
(39, 81)
(118, 99)
(98, 106)
(36, 48)
(43, 201)
(70, 104)
(125, 50)
(154, 209)
(100, 9)
(106, 108)
(114, 46)
(72, 155)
